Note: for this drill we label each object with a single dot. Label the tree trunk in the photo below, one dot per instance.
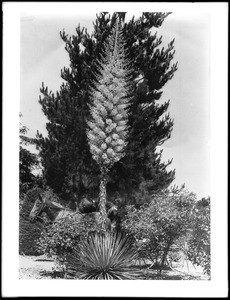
(102, 200)
(165, 254)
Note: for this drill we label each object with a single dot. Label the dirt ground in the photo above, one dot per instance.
(42, 267)
(35, 267)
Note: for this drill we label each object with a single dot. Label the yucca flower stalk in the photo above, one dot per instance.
(110, 95)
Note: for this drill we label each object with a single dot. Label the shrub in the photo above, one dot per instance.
(29, 232)
(61, 237)
(199, 244)
(104, 256)
(156, 226)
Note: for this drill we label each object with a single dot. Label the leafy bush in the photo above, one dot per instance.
(199, 244)
(29, 232)
(104, 256)
(156, 226)
(61, 237)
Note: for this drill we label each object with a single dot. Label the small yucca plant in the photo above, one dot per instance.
(105, 256)
(110, 95)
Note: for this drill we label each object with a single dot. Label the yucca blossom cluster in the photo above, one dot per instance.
(110, 100)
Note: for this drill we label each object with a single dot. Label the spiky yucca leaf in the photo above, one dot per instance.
(106, 256)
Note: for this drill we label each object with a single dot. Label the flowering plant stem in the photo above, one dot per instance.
(102, 197)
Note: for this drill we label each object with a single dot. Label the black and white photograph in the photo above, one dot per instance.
(115, 149)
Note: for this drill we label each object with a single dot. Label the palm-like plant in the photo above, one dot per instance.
(105, 256)
(110, 95)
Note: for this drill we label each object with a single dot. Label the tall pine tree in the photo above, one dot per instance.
(68, 165)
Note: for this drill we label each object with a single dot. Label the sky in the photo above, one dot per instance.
(43, 56)
(33, 52)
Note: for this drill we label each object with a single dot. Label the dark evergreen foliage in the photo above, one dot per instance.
(68, 165)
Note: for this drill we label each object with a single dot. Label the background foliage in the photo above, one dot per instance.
(28, 162)
(199, 251)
